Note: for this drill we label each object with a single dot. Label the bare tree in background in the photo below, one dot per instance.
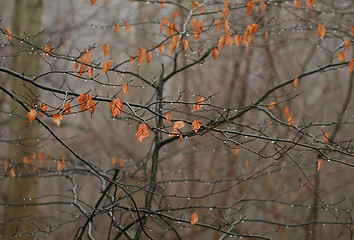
(181, 120)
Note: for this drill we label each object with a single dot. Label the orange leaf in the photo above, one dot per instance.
(196, 125)
(31, 115)
(121, 162)
(226, 3)
(116, 28)
(93, 2)
(149, 56)
(142, 132)
(57, 118)
(341, 56)
(161, 48)
(8, 33)
(66, 108)
(168, 117)
(203, 9)
(266, 36)
(214, 53)
(41, 157)
(116, 107)
(194, 218)
(319, 164)
(226, 26)
(263, 5)
(113, 161)
(106, 66)
(125, 88)
(218, 24)
(12, 173)
(83, 99)
(250, 7)
(60, 165)
(178, 125)
(90, 72)
(347, 45)
(185, 44)
(309, 3)
(142, 55)
(171, 28)
(321, 30)
(225, 12)
(325, 137)
(236, 151)
(173, 44)
(296, 82)
(131, 59)
(175, 14)
(238, 40)
(163, 4)
(272, 105)
(221, 42)
(352, 30)
(351, 66)
(44, 109)
(127, 27)
(199, 103)
(47, 49)
(297, 3)
(163, 21)
(196, 5)
(287, 112)
(105, 50)
(6, 165)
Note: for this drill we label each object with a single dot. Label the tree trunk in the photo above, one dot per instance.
(19, 217)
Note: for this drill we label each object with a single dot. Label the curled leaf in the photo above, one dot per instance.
(250, 6)
(236, 151)
(321, 30)
(161, 48)
(142, 132)
(296, 82)
(347, 45)
(83, 100)
(31, 115)
(105, 48)
(196, 125)
(66, 108)
(127, 26)
(44, 108)
(196, 5)
(12, 173)
(199, 103)
(60, 165)
(116, 107)
(272, 105)
(185, 44)
(319, 164)
(47, 49)
(142, 55)
(8, 33)
(341, 56)
(178, 125)
(121, 162)
(214, 53)
(116, 28)
(125, 88)
(351, 66)
(57, 118)
(106, 66)
(175, 14)
(168, 117)
(148, 56)
(194, 218)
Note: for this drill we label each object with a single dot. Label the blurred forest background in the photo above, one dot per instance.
(252, 176)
